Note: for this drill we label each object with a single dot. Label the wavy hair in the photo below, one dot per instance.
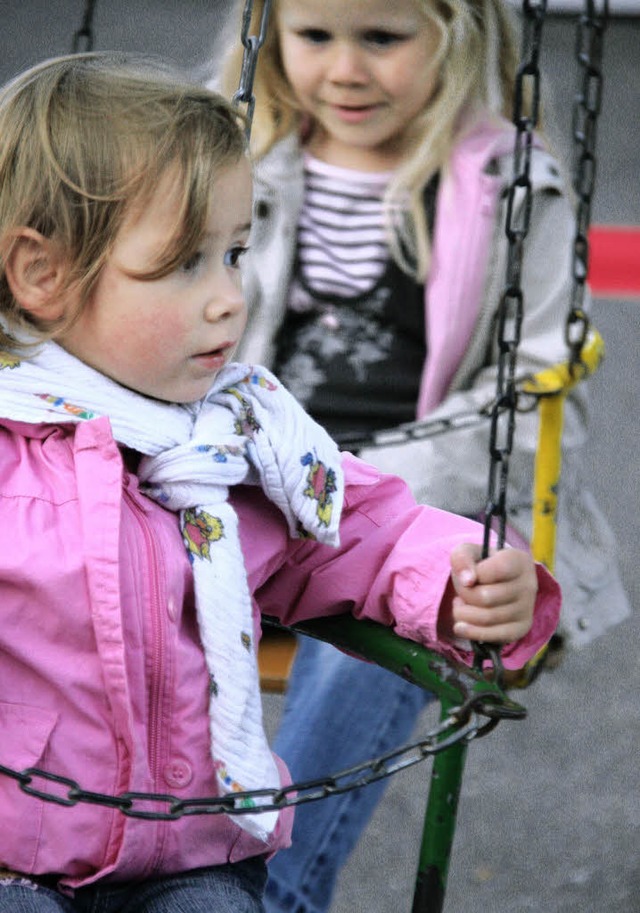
(84, 139)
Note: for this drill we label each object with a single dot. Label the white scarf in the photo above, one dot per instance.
(247, 429)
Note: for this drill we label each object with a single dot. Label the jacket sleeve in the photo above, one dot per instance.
(392, 565)
(450, 470)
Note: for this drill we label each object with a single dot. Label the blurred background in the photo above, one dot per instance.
(550, 808)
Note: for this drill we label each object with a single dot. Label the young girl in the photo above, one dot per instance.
(378, 260)
(156, 496)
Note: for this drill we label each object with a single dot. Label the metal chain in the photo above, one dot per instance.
(476, 717)
(252, 44)
(510, 310)
(589, 40)
(412, 431)
(525, 401)
(525, 118)
(83, 37)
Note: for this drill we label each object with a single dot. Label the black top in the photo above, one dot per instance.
(355, 363)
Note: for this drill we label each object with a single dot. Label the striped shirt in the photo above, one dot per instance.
(342, 246)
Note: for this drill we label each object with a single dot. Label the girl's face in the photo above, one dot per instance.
(168, 338)
(363, 70)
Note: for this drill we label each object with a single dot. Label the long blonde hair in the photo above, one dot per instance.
(84, 138)
(477, 56)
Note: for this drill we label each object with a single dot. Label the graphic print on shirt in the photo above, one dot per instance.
(323, 332)
(355, 363)
(352, 345)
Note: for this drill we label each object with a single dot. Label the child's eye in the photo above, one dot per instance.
(381, 38)
(193, 263)
(234, 254)
(315, 36)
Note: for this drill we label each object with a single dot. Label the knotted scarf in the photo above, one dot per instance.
(248, 429)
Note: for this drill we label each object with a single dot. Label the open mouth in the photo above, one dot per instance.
(354, 113)
(214, 358)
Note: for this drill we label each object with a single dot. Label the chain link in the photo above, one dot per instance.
(475, 717)
(412, 431)
(526, 400)
(252, 44)
(525, 118)
(83, 37)
(510, 310)
(589, 42)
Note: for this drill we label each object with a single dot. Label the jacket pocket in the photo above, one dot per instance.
(24, 734)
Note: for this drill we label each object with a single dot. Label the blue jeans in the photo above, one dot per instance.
(338, 712)
(232, 888)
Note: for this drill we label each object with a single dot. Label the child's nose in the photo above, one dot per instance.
(226, 300)
(347, 64)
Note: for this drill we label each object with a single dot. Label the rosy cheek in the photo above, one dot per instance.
(154, 341)
(170, 341)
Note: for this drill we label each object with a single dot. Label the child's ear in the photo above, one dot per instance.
(36, 271)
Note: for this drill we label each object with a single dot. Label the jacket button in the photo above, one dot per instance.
(171, 609)
(178, 774)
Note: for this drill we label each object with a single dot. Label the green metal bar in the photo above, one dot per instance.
(450, 682)
(453, 684)
(378, 644)
(439, 826)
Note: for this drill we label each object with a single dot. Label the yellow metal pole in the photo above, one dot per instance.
(552, 386)
(547, 478)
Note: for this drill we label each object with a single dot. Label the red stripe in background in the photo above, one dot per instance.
(614, 260)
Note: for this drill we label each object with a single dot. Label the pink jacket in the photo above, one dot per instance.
(468, 199)
(102, 677)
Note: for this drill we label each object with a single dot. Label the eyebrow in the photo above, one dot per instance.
(245, 226)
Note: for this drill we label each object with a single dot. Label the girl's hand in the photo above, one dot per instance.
(494, 597)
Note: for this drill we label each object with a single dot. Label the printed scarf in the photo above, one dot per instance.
(248, 429)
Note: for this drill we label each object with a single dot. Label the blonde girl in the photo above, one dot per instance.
(383, 149)
(472, 61)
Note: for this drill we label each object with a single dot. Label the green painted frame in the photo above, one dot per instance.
(454, 686)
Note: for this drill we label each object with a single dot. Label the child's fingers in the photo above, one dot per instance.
(464, 561)
(496, 624)
(501, 622)
(495, 596)
(490, 616)
(503, 565)
(468, 568)
(499, 634)
(492, 595)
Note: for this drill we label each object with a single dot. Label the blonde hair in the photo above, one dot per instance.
(85, 138)
(477, 58)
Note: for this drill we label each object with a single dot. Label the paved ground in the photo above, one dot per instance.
(550, 815)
